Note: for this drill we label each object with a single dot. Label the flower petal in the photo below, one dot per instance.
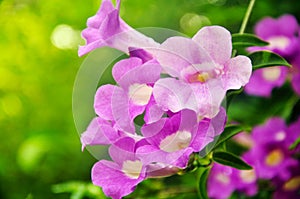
(174, 95)
(216, 40)
(151, 154)
(99, 132)
(113, 181)
(176, 53)
(237, 72)
(103, 101)
(123, 66)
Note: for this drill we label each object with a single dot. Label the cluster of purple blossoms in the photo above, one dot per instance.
(284, 39)
(271, 158)
(181, 109)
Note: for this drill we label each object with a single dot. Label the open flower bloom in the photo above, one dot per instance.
(172, 140)
(106, 28)
(230, 179)
(282, 36)
(270, 154)
(201, 71)
(288, 188)
(132, 97)
(119, 177)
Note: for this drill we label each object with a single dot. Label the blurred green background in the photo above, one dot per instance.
(39, 145)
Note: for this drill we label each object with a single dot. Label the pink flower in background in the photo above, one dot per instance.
(270, 154)
(283, 38)
(106, 28)
(229, 179)
(201, 71)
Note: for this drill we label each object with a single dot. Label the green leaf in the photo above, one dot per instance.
(246, 40)
(202, 186)
(295, 144)
(230, 159)
(228, 132)
(262, 59)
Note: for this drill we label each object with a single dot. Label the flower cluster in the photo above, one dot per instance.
(176, 87)
(271, 159)
(283, 37)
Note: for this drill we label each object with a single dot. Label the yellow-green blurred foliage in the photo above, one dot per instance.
(39, 145)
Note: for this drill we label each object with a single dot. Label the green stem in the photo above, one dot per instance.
(245, 21)
(247, 16)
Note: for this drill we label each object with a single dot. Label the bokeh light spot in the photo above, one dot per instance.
(65, 37)
(190, 23)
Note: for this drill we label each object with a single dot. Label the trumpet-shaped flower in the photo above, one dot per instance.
(270, 153)
(119, 177)
(132, 97)
(173, 139)
(106, 28)
(282, 35)
(202, 71)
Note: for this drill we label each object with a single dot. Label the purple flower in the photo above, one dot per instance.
(132, 97)
(264, 80)
(220, 183)
(288, 188)
(99, 132)
(106, 28)
(229, 179)
(173, 139)
(202, 71)
(281, 34)
(270, 154)
(119, 177)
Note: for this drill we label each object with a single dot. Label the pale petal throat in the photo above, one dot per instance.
(132, 169)
(176, 141)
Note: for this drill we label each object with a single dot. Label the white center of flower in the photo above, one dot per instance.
(223, 178)
(140, 94)
(132, 168)
(271, 74)
(280, 136)
(279, 42)
(176, 141)
(247, 176)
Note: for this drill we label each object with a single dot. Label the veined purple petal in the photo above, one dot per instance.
(124, 66)
(151, 154)
(113, 181)
(237, 72)
(174, 95)
(176, 53)
(148, 73)
(99, 132)
(216, 40)
(103, 101)
(122, 150)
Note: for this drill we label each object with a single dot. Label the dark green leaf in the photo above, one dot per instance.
(247, 40)
(295, 144)
(230, 159)
(202, 190)
(228, 132)
(262, 59)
